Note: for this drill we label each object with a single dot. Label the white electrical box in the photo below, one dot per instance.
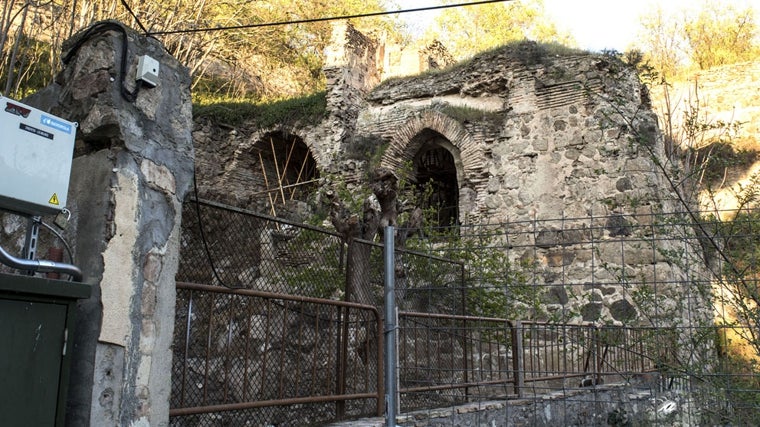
(147, 70)
(36, 150)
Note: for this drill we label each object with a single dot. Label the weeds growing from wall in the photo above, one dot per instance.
(306, 110)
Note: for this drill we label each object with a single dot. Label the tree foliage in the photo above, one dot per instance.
(660, 36)
(721, 34)
(697, 165)
(716, 33)
(468, 30)
(235, 63)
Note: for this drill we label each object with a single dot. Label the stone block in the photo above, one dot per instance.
(623, 311)
(559, 258)
(591, 312)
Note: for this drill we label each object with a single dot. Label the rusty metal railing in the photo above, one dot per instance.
(443, 358)
(595, 354)
(266, 345)
(238, 350)
(450, 359)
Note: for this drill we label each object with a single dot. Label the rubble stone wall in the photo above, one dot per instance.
(535, 135)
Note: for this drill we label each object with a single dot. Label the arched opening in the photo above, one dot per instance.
(435, 175)
(287, 172)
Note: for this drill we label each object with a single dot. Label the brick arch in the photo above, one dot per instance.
(319, 154)
(468, 154)
(263, 162)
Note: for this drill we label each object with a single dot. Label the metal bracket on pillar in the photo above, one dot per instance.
(32, 236)
(29, 264)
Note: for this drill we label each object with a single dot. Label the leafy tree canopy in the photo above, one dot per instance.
(270, 62)
(708, 35)
(468, 30)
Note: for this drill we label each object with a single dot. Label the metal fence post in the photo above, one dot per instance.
(465, 344)
(344, 320)
(391, 323)
(517, 358)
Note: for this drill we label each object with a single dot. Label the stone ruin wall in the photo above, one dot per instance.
(551, 145)
(725, 94)
(551, 139)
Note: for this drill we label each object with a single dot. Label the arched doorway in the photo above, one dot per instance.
(288, 171)
(435, 129)
(435, 175)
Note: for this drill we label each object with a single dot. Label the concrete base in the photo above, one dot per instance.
(614, 404)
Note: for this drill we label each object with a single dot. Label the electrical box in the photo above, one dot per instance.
(36, 150)
(38, 317)
(147, 70)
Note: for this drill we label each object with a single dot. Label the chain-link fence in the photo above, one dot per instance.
(644, 301)
(447, 359)
(662, 302)
(229, 247)
(262, 335)
(243, 356)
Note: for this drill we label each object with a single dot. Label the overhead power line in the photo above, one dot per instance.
(129, 9)
(312, 20)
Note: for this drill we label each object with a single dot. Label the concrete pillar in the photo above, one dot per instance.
(133, 167)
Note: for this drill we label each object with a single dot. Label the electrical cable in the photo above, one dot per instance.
(102, 27)
(313, 20)
(129, 9)
(203, 237)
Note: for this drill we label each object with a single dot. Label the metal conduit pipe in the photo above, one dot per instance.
(41, 266)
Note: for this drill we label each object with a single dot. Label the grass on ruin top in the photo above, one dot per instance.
(309, 109)
(528, 52)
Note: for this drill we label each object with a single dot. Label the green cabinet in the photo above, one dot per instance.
(36, 327)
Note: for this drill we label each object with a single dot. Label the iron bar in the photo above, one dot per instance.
(177, 412)
(281, 365)
(265, 352)
(187, 347)
(208, 349)
(274, 296)
(317, 331)
(380, 368)
(518, 364)
(227, 357)
(247, 359)
(340, 408)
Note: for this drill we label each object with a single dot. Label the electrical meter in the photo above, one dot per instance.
(36, 150)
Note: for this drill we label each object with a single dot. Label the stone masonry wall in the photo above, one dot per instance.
(133, 166)
(561, 146)
(605, 406)
(535, 135)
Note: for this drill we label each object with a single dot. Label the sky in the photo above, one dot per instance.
(595, 24)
